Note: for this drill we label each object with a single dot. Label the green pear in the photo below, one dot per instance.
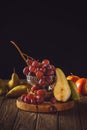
(14, 81)
(74, 92)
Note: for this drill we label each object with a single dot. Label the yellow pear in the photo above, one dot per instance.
(14, 80)
(17, 91)
(62, 91)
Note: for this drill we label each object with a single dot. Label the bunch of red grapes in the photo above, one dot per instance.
(45, 73)
(37, 95)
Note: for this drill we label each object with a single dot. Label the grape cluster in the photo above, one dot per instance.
(38, 95)
(45, 74)
(43, 71)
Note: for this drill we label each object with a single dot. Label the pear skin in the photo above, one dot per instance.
(17, 91)
(62, 91)
(74, 92)
(14, 81)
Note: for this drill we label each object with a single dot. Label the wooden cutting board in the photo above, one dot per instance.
(45, 107)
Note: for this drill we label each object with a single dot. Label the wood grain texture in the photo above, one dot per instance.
(1, 100)
(69, 120)
(82, 109)
(12, 118)
(8, 112)
(47, 121)
(25, 121)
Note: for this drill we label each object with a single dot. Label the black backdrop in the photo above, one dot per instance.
(43, 31)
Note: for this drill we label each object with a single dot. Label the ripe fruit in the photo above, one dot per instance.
(14, 81)
(39, 99)
(39, 74)
(29, 62)
(74, 92)
(45, 62)
(31, 98)
(72, 77)
(82, 86)
(53, 100)
(23, 96)
(26, 70)
(42, 81)
(35, 63)
(41, 92)
(43, 71)
(17, 91)
(62, 91)
(32, 69)
(50, 79)
(35, 87)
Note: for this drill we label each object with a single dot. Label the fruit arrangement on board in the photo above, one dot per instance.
(45, 84)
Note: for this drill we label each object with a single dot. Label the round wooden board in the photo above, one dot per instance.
(46, 107)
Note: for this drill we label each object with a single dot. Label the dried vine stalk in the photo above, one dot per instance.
(23, 55)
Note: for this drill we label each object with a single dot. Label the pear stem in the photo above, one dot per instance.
(14, 70)
(71, 73)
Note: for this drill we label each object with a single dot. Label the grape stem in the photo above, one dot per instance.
(21, 53)
(28, 57)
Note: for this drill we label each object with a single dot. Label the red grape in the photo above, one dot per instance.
(30, 95)
(53, 100)
(43, 69)
(45, 62)
(39, 74)
(31, 98)
(41, 92)
(32, 69)
(39, 99)
(26, 100)
(50, 72)
(23, 96)
(52, 67)
(26, 70)
(35, 63)
(29, 62)
(50, 79)
(35, 87)
(42, 81)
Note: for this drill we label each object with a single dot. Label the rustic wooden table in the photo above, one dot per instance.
(11, 118)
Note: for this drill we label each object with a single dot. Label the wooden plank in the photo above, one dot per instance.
(68, 120)
(25, 121)
(1, 100)
(82, 109)
(47, 121)
(8, 114)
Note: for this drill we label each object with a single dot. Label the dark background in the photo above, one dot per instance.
(43, 30)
